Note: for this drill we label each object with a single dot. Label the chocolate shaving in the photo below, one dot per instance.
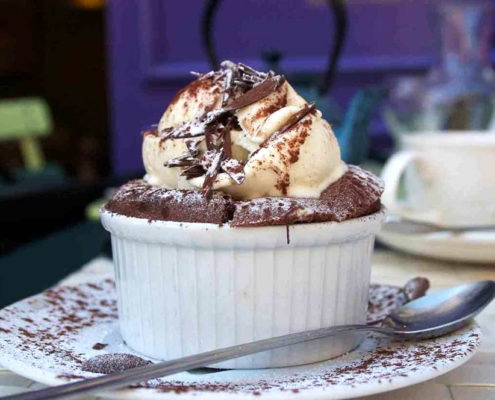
(194, 128)
(209, 138)
(185, 160)
(256, 93)
(227, 91)
(227, 142)
(247, 86)
(208, 158)
(247, 69)
(242, 84)
(293, 120)
(208, 75)
(212, 172)
(252, 74)
(193, 146)
(193, 172)
(198, 126)
(235, 169)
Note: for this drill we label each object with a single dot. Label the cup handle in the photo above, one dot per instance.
(391, 174)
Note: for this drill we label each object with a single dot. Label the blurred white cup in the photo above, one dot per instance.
(449, 178)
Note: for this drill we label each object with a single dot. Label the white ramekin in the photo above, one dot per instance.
(186, 288)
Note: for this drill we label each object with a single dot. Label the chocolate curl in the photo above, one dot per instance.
(227, 89)
(200, 75)
(208, 158)
(194, 128)
(209, 140)
(193, 172)
(244, 75)
(256, 93)
(193, 147)
(251, 74)
(248, 70)
(200, 125)
(235, 169)
(296, 118)
(212, 171)
(227, 140)
(215, 125)
(184, 160)
(293, 120)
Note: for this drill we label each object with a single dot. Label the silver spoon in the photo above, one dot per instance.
(397, 224)
(426, 317)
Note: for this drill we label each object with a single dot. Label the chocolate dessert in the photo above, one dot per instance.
(246, 225)
(240, 146)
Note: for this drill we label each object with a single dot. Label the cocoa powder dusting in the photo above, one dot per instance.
(67, 314)
(111, 363)
(193, 89)
(295, 143)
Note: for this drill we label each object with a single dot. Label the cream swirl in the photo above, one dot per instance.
(286, 147)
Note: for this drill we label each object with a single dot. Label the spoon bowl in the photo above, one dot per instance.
(441, 312)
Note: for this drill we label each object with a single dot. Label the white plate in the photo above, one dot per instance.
(474, 246)
(46, 337)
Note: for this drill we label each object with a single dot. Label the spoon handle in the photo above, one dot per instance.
(120, 379)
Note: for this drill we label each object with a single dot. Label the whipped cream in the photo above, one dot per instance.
(285, 147)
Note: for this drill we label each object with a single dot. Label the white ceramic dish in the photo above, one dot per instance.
(185, 288)
(45, 337)
(473, 246)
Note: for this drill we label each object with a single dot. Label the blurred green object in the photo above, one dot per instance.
(26, 119)
(93, 209)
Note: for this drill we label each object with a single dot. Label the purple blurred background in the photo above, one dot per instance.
(153, 44)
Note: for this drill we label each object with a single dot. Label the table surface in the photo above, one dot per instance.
(475, 380)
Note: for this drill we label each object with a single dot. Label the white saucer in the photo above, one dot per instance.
(46, 337)
(472, 246)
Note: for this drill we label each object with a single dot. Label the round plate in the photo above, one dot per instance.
(47, 338)
(473, 246)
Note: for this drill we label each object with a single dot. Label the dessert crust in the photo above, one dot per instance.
(356, 194)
